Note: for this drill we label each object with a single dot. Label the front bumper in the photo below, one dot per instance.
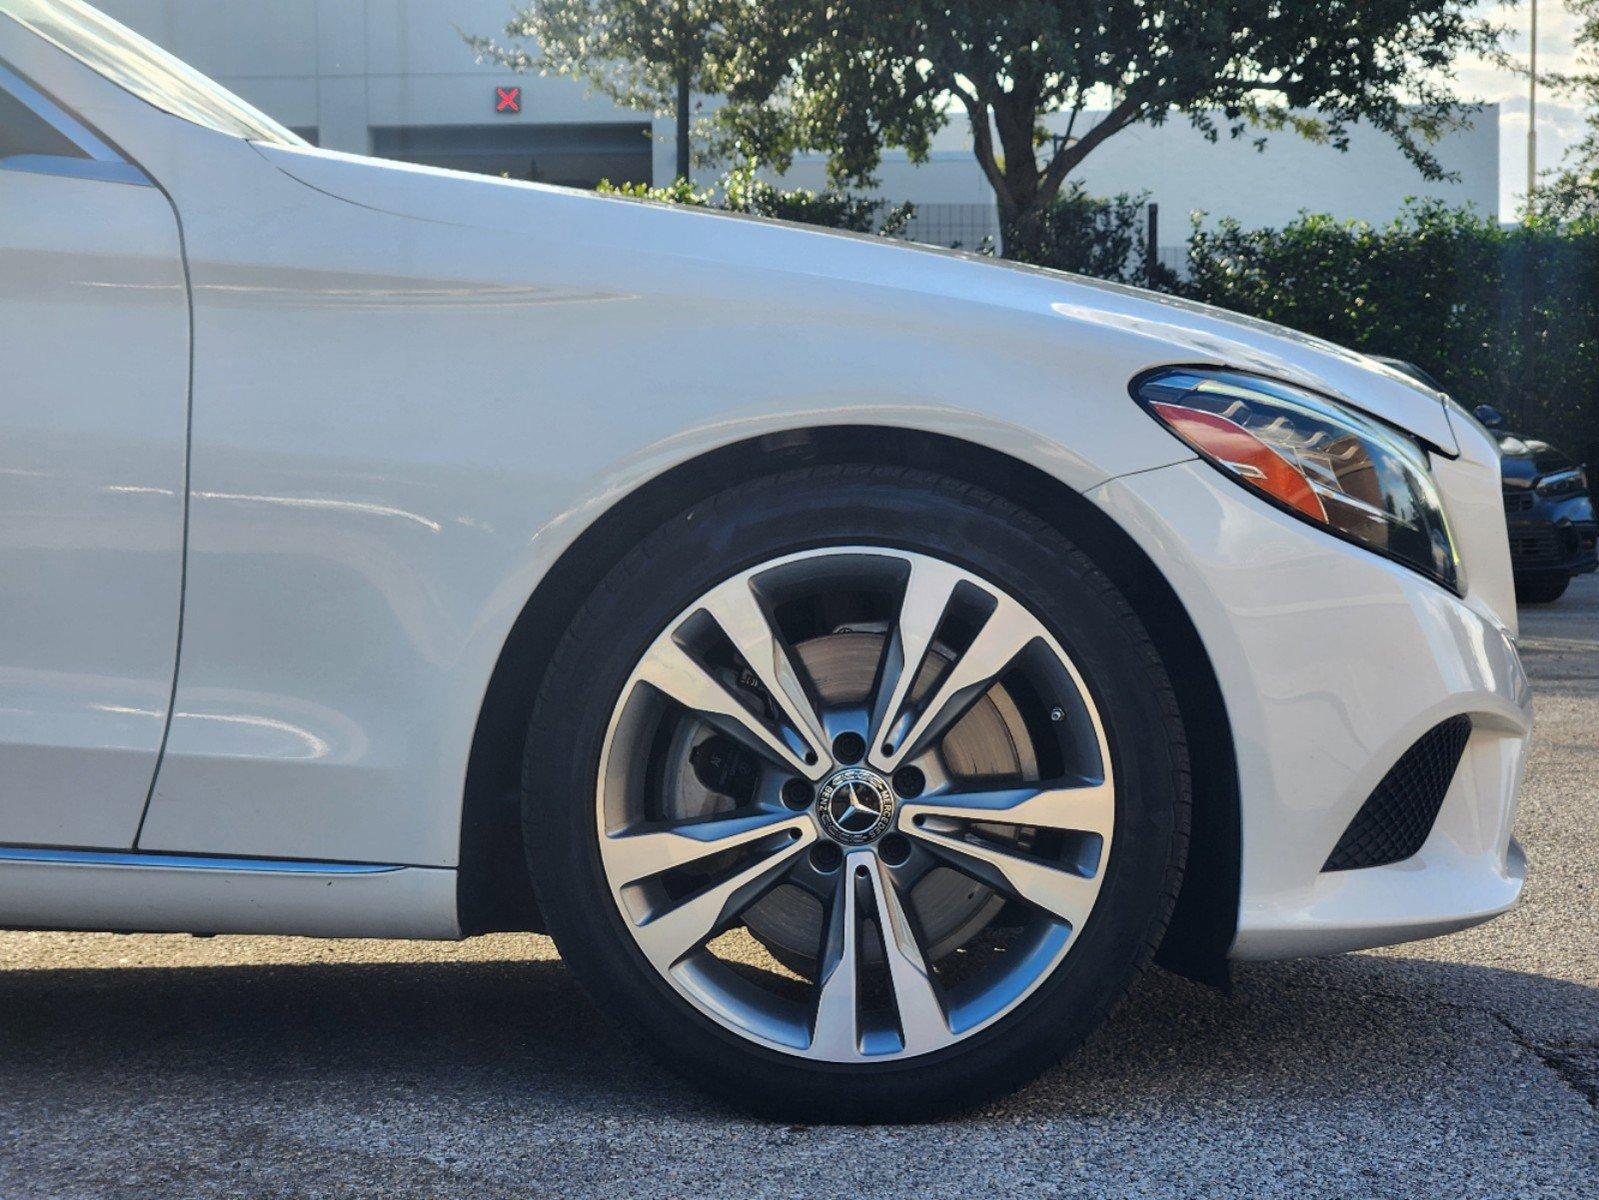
(1332, 662)
(1553, 547)
(1550, 535)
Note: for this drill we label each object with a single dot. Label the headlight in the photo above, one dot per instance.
(1324, 463)
(1564, 483)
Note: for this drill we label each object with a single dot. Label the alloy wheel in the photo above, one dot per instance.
(855, 804)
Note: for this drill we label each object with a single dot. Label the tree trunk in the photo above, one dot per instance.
(1023, 195)
(682, 124)
(1023, 190)
(1024, 211)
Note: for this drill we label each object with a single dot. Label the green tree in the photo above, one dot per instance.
(644, 54)
(1571, 191)
(850, 77)
(742, 192)
(1102, 236)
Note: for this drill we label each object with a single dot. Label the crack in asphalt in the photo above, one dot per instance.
(1575, 1064)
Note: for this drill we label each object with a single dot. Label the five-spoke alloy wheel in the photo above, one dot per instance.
(854, 808)
(868, 895)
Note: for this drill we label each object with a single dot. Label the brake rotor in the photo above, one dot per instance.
(989, 742)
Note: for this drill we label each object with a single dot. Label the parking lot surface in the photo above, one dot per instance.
(1465, 1066)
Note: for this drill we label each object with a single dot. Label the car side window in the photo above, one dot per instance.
(38, 136)
(25, 132)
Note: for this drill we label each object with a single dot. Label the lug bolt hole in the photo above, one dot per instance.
(894, 849)
(849, 748)
(826, 857)
(909, 782)
(797, 794)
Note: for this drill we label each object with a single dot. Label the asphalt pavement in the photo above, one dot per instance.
(1462, 1067)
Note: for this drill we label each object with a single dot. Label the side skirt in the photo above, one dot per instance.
(130, 892)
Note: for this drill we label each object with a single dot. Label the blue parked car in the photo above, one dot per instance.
(1548, 507)
(1549, 511)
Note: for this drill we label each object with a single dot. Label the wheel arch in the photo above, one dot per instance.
(495, 892)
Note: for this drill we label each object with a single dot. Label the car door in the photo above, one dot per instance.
(94, 372)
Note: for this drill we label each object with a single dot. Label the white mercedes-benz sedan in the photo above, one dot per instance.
(863, 660)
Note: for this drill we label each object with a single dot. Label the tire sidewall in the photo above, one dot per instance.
(810, 510)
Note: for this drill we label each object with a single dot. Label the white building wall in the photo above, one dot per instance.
(1231, 178)
(1183, 172)
(344, 66)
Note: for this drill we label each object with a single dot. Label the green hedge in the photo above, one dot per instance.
(742, 193)
(1105, 237)
(1507, 316)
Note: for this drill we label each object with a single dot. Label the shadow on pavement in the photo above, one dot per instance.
(1326, 1030)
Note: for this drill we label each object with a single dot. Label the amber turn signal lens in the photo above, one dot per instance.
(1255, 462)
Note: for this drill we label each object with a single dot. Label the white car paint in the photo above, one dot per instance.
(413, 390)
(91, 484)
(1332, 665)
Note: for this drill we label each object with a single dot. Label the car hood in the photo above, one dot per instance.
(1523, 461)
(1177, 331)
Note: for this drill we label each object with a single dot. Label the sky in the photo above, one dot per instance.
(1559, 120)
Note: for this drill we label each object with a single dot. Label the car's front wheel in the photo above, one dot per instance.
(856, 794)
(1542, 589)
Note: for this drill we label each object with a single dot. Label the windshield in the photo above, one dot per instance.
(144, 69)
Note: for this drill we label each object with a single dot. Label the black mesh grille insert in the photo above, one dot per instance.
(1398, 815)
(1529, 547)
(1519, 501)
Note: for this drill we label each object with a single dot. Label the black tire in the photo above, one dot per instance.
(909, 510)
(1542, 589)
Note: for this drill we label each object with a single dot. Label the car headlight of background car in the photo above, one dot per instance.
(1322, 462)
(1564, 483)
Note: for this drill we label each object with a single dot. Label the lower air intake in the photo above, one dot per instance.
(1398, 815)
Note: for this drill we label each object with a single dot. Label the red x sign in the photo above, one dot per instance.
(508, 99)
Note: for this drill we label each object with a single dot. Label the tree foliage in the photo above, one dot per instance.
(644, 54)
(849, 77)
(1571, 191)
(1105, 237)
(742, 192)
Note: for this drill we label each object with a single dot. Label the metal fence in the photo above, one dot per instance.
(958, 226)
(1174, 259)
(976, 227)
